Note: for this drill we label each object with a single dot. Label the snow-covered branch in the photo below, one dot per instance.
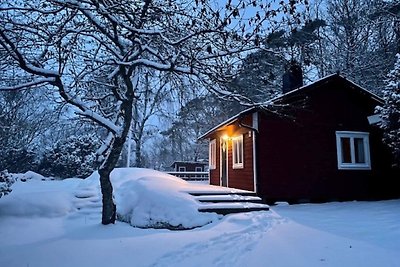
(156, 65)
(28, 85)
(9, 45)
(105, 146)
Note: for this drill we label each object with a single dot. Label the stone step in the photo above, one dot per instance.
(222, 192)
(85, 193)
(88, 205)
(228, 198)
(236, 207)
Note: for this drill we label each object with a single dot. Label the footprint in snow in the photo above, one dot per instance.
(242, 233)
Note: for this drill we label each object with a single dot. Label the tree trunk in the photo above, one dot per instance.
(138, 154)
(109, 208)
(138, 147)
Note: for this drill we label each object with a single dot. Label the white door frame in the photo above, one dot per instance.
(221, 140)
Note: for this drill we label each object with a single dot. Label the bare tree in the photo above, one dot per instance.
(91, 52)
(154, 90)
(359, 39)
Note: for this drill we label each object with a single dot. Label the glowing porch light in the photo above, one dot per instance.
(225, 137)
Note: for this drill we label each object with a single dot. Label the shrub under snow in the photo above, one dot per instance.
(151, 199)
(6, 180)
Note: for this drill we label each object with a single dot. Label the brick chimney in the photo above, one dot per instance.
(293, 77)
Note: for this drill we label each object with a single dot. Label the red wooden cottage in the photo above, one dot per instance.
(319, 143)
(189, 166)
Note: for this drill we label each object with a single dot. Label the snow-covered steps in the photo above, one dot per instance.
(227, 200)
(87, 201)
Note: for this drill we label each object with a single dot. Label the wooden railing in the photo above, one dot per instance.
(190, 176)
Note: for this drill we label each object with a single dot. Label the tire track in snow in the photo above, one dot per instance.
(240, 233)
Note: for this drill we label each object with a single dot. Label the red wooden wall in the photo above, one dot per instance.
(297, 154)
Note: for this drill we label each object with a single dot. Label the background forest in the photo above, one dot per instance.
(358, 38)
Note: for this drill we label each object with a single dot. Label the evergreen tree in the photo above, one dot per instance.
(73, 157)
(390, 112)
(260, 76)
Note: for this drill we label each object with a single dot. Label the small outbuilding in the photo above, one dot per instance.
(319, 142)
(189, 166)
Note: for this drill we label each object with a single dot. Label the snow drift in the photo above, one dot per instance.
(36, 198)
(144, 198)
(147, 198)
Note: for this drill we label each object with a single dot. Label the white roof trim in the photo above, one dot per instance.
(231, 119)
(376, 97)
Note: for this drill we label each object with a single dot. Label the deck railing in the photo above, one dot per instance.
(190, 176)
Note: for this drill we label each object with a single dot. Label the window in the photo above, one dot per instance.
(212, 154)
(353, 150)
(237, 152)
(199, 169)
(182, 169)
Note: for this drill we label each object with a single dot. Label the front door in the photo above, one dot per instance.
(224, 162)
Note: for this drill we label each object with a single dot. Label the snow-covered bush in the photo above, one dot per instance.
(390, 112)
(17, 160)
(6, 180)
(73, 157)
(150, 199)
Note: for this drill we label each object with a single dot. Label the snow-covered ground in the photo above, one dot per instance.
(44, 223)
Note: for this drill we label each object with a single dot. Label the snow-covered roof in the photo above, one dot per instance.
(189, 162)
(228, 121)
(293, 92)
(324, 80)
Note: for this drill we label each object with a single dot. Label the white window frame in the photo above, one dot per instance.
(212, 154)
(181, 169)
(237, 159)
(353, 165)
(198, 169)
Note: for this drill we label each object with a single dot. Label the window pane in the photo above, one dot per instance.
(237, 152)
(234, 151)
(353, 150)
(214, 148)
(237, 144)
(212, 154)
(359, 150)
(346, 149)
(240, 144)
